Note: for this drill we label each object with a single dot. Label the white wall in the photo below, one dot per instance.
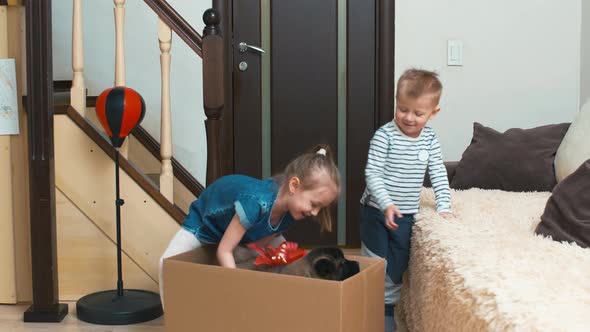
(521, 62)
(585, 54)
(521, 65)
(143, 67)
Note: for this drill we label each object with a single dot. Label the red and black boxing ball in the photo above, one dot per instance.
(120, 110)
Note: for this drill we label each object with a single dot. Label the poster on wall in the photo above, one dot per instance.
(8, 98)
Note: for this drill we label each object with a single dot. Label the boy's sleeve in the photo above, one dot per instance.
(438, 177)
(376, 160)
(248, 210)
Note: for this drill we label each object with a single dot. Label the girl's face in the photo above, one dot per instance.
(306, 202)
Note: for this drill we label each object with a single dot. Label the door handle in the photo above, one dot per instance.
(243, 47)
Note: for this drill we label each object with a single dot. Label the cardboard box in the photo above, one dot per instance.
(199, 296)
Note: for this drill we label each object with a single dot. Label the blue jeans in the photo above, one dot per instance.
(394, 246)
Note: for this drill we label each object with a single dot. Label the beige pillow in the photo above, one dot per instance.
(574, 148)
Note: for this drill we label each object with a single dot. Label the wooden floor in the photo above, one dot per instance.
(11, 319)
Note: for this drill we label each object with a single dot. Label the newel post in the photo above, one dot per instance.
(213, 85)
(45, 306)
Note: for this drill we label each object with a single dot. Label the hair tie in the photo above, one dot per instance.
(321, 151)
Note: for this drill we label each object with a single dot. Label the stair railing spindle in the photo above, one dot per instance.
(78, 90)
(166, 173)
(120, 56)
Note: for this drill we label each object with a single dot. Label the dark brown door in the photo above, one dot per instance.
(316, 83)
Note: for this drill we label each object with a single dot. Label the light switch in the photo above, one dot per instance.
(454, 52)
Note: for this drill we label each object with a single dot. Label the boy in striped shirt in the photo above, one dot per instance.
(399, 154)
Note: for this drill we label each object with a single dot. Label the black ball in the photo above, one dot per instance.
(211, 17)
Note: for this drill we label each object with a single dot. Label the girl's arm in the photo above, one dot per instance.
(231, 238)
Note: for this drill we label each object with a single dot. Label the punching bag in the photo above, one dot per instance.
(119, 110)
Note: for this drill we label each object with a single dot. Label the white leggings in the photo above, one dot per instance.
(392, 290)
(185, 241)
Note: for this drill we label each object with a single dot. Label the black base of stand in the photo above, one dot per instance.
(44, 314)
(119, 306)
(108, 308)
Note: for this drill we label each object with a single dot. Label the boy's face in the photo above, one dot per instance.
(412, 114)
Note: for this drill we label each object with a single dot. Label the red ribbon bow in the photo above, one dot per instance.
(286, 253)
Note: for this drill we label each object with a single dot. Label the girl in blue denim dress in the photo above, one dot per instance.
(237, 209)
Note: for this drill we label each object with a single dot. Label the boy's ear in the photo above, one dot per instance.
(435, 111)
(294, 184)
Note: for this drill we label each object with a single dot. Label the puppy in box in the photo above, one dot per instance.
(321, 263)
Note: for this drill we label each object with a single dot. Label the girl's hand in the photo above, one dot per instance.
(390, 213)
(231, 238)
(447, 215)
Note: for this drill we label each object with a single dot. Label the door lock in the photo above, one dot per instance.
(242, 66)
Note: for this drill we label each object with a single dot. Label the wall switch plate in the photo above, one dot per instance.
(454, 52)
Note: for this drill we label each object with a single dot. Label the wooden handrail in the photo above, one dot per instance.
(210, 48)
(62, 106)
(153, 146)
(181, 173)
(133, 171)
(178, 24)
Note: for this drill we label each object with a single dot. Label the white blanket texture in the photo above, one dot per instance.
(486, 270)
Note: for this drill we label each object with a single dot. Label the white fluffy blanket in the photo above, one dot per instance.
(486, 270)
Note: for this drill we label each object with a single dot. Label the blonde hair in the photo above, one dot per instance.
(417, 82)
(306, 167)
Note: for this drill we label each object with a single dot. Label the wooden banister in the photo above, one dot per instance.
(210, 48)
(180, 173)
(61, 103)
(178, 24)
(133, 171)
(153, 146)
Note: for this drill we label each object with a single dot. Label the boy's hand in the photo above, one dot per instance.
(447, 215)
(390, 213)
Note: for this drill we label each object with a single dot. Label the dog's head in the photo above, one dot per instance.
(323, 263)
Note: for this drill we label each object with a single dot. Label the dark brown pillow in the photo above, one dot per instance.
(567, 213)
(517, 160)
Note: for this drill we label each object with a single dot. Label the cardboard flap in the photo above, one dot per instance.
(365, 262)
(363, 297)
(203, 255)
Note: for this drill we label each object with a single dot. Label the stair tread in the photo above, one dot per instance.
(155, 177)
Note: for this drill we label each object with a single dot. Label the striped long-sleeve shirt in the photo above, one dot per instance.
(396, 166)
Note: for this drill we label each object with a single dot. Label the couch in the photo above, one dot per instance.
(516, 257)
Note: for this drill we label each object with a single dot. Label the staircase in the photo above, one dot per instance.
(85, 194)
(156, 189)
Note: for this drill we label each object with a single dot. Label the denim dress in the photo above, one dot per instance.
(251, 199)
